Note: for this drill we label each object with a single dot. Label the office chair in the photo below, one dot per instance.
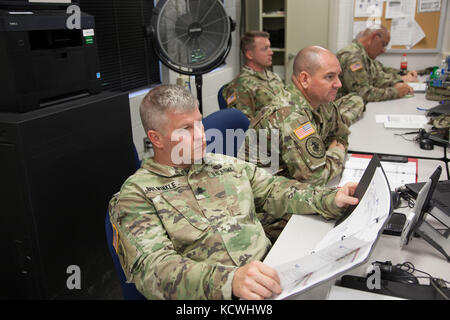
(221, 99)
(222, 120)
(129, 290)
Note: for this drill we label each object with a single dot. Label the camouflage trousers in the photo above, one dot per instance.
(351, 108)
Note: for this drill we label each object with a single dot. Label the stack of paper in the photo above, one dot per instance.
(398, 174)
(402, 121)
(418, 86)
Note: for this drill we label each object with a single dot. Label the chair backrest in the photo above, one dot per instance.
(222, 120)
(221, 99)
(129, 290)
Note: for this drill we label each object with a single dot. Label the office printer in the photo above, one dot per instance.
(42, 61)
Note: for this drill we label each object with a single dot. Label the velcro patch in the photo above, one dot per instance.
(356, 66)
(231, 99)
(115, 238)
(304, 130)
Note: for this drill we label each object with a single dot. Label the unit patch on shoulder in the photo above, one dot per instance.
(304, 130)
(315, 147)
(231, 99)
(356, 66)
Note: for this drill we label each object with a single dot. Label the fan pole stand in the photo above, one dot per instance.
(198, 85)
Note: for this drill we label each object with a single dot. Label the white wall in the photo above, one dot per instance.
(341, 29)
(343, 14)
(212, 81)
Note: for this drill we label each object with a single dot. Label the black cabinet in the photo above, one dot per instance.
(59, 167)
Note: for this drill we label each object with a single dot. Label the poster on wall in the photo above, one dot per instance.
(368, 8)
(429, 5)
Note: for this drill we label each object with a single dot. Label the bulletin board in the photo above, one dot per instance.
(431, 23)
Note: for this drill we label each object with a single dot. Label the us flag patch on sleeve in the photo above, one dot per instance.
(304, 130)
(231, 99)
(356, 66)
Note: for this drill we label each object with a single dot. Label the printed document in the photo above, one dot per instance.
(402, 121)
(398, 174)
(344, 247)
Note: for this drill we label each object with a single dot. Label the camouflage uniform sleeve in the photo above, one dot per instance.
(149, 260)
(240, 98)
(340, 130)
(394, 71)
(306, 157)
(279, 195)
(355, 78)
(386, 76)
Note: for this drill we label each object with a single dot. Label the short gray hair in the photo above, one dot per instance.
(166, 97)
(374, 28)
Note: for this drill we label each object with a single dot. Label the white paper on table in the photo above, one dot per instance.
(398, 174)
(429, 5)
(418, 86)
(402, 121)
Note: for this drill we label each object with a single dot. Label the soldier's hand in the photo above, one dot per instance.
(344, 195)
(255, 281)
(335, 144)
(411, 76)
(403, 89)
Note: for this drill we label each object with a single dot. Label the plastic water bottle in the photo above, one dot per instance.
(404, 64)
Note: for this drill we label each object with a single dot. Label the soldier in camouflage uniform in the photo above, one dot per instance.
(312, 135)
(194, 230)
(367, 77)
(255, 86)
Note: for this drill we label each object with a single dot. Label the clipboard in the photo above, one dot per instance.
(348, 245)
(363, 185)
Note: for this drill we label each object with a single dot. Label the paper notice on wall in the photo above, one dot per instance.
(429, 5)
(400, 8)
(368, 8)
(406, 32)
(417, 34)
(401, 31)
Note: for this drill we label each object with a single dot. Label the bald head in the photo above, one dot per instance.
(309, 59)
(316, 75)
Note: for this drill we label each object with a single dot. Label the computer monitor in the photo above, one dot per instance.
(422, 203)
(415, 220)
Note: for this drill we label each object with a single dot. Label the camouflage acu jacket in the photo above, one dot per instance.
(252, 90)
(304, 135)
(181, 234)
(365, 76)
